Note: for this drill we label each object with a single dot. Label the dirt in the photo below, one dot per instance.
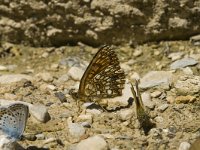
(180, 122)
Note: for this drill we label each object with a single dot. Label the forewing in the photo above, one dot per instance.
(104, 77)
(20, 112)
(13, 120)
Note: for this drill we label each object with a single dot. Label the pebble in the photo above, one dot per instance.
(156, 78)
(30, 137)
(163, 107)
(175, 56)
(75, 73)
(10, 96)
(126, 67)
(126, 114)
(51, 87)
(40, 136)
(12, 78)
(3, 68)
(156, 94)
(40, 112)
(63, 78)
(76, 130)
(146, 98)
(137, 52)
(195, 40)
(187, 85)
(170, 99)
(49, 140)
(185, 99)
(85, 118)
(159, 119)
(187, 71)
(61, 96)
(183, 63)
(45, 76)
(92, 143)
(184, 146)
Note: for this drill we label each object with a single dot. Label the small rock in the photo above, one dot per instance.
(11, 78)
(187, 71)
(126, 114)
(155, 78)
(195, 40)
(184, 146)
(45, 54)
(76, 130)
(30, 137)
(137, 53)
(62, 79)
(185, 99)
(3, 68)
(45, 76)
(61, 97)
(159, 119)
(156, 94)
(163, 107)
(92, 143)
(170, 99)
(93, 111)
(175, 56)
(40, 113)
(75, 73)
(49, 140)
(183, 63)
(187, 85)
(126, 67)
(40, 136)
(146, 98)
(51, 87)
(10, 96)
(85, 118)
(86, 124)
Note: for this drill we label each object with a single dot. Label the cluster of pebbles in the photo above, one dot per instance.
(42, 78)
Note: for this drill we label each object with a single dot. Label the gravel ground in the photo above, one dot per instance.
(169, 83)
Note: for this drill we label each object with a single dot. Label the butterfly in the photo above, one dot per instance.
(142, 115)
(103, 78)
(13, 120)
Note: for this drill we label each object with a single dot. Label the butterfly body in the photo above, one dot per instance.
(103, 78)
(13, 120)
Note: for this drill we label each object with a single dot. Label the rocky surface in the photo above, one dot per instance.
(95, 22)
(170, 96)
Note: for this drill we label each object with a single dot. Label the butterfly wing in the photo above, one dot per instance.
(104, 77)
(13, 120)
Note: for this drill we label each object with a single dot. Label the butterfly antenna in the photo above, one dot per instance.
(142, 116)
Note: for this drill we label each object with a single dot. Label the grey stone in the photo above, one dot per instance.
(11, 78)
(146, 98)
(40, 136)
(45, 76)
(76, 130)
(75, 73)
(156, 78)
(187, 85)
(156, 94)
(126, 114)
(163, 107)
(92, 143)
(183, 63)
(184, 146)
(175, 56)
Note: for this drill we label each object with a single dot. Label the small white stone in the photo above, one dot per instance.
(75, 73)
(85, 117)
(3, 68)
(45, 76)
(76, 130)
(187, 71)
(40, 136)
(184, 146)
(126, 114)
(146, 98)
(163, 107)
(11, 78)
(92, 143)
(51, 87)
(156, 94)
(159, 119)
(137, 53)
